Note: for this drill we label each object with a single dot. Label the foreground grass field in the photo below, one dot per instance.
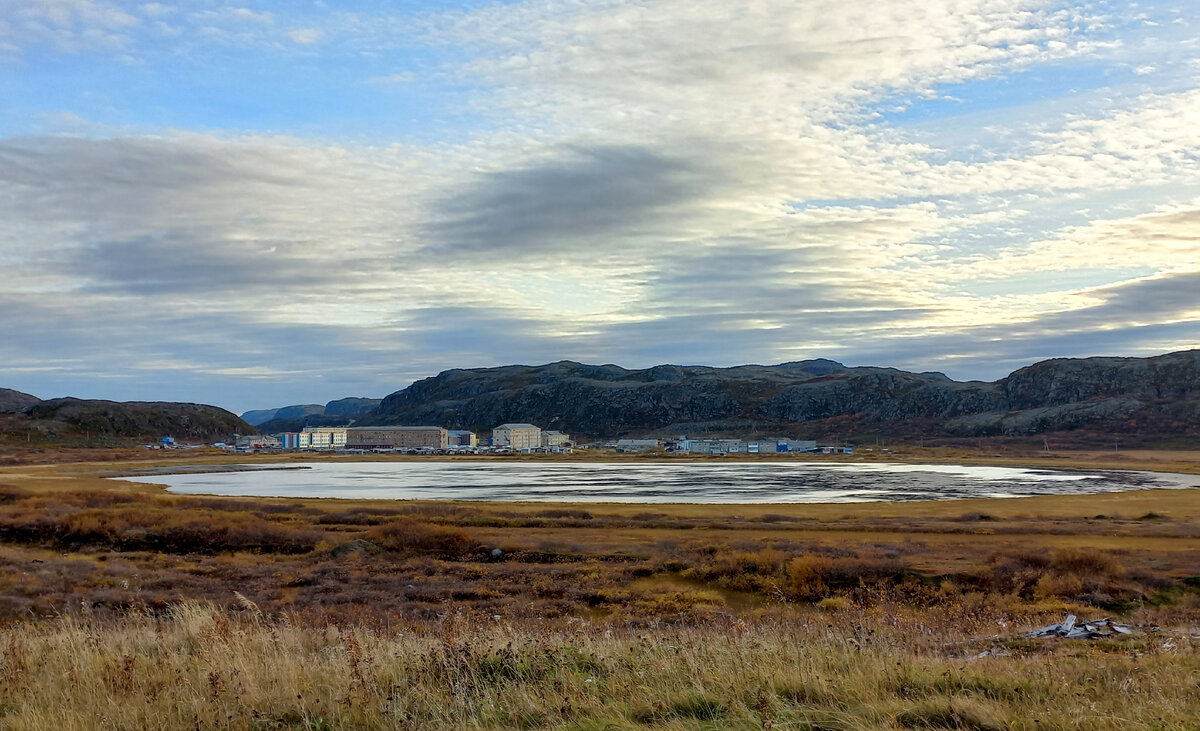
(200, 667)
(122, 606)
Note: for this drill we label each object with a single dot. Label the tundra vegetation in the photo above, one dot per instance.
(125, 607)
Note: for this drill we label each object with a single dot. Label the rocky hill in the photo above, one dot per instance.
(813, 398)
(13, 402)
(354, 406)
(137, 419)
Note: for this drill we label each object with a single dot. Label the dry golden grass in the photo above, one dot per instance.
(199, 667)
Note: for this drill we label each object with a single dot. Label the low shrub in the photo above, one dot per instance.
(412, 538)
(1064, 586)
(812, 577)
(564, 513)
(808, 577)
(1086, 562)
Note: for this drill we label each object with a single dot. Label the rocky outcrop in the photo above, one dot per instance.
(13, 402)
(885, 395)
(141, 419)
(1171, 377)
(1162, 392)
(355, 406)
(1025, 422)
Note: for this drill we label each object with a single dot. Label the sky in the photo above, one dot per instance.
(254, 204)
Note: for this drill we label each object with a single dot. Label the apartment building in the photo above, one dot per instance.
(517, 436)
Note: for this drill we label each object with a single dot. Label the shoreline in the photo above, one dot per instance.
(191, 470)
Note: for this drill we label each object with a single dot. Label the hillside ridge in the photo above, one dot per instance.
(1158, 394)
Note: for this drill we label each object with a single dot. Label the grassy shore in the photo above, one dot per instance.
(122, 606)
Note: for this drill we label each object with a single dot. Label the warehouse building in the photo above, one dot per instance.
(637, 445)
(255, 442)
(712, 446)
(396, 437)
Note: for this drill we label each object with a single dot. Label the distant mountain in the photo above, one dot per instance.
(294, 418)
(815, 398)
(299, 412)
(139, 419)
(258, 416)
(12, 402)
(275, 426)
(351, 406)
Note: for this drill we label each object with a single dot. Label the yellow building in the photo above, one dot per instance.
(551, 439)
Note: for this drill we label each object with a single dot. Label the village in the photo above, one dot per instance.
(515, 438)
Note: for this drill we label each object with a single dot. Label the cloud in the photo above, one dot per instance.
(156, 10)
(69, 26)
(402, 77)
(571, 201)
(679, 181)
(1166, 239)
(1156, 300)
(177, 265)
(305, 35)
(239, 14)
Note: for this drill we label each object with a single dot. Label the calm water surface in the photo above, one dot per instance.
(680, 482)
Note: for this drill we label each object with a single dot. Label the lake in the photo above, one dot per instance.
(658, 482)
